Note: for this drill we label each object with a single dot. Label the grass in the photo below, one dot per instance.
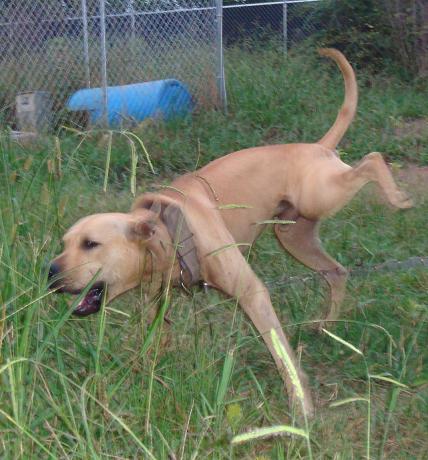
(111, 386)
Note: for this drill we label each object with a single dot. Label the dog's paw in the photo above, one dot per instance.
(401, 200)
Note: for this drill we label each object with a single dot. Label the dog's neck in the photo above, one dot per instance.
(168, 215)
(158, 250)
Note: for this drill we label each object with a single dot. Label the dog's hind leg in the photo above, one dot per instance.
(372, 168)
(302, 242)
(228, 271)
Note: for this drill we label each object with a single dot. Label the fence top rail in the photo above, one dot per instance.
(277, 2)
(130, 12)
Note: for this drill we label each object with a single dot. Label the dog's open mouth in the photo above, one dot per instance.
(91, 303)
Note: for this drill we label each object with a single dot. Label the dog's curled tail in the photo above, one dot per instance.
(349, 106)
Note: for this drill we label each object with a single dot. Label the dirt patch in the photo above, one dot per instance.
(412, 128)
(415, 178)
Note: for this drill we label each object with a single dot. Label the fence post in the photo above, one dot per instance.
(131, 11)
(221, 84)
(285, 27)
(103, 60)
(86, 43)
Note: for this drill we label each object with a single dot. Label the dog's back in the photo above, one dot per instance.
(254, 185)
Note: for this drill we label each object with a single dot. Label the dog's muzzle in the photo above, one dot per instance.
(91, 303)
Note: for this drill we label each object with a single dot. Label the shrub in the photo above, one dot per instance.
(378, 32)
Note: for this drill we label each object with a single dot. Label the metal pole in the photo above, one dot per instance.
(86, 43)
(285, 27)
(103, 61)
(131, 11)
(221, 84)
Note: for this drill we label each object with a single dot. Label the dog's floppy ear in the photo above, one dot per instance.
(152, 203)
(145, 228)
(156, 207)
(142, 229)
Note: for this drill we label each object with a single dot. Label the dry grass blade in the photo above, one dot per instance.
(343, 342)
(292, 371)
(58, 157)
(388, 379)
(2, 325)
(262, 433)
(226, 247)
(89, 441)
(234, 206)
(134, 160)
(37, 299)
(342, 402)
(108, 158)
(295, 380)
(170, 187)
(143, 148)
(275, 221)
(73, 130)
(11, 363)
(185, 431)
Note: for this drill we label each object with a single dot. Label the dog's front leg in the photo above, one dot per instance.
(229, 272)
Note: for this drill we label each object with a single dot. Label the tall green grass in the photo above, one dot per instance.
(105, 386)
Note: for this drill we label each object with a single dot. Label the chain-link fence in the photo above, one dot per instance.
(60, 46)
(286, 22)
(274, 26)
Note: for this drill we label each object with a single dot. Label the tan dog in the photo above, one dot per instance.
(197, 229)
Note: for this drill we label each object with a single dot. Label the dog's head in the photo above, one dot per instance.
(117, 250)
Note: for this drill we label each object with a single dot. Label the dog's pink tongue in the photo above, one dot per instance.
(91, 303)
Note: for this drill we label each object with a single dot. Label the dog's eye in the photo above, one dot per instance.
(89, 244)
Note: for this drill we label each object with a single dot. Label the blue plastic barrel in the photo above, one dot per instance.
(129, 104)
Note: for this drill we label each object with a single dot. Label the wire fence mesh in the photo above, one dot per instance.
(285, 22)
(57, 46)
(60, 46)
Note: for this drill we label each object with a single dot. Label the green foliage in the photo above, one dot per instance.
(377, 33)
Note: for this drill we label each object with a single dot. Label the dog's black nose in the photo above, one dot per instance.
(53, 271)
(54, 281)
